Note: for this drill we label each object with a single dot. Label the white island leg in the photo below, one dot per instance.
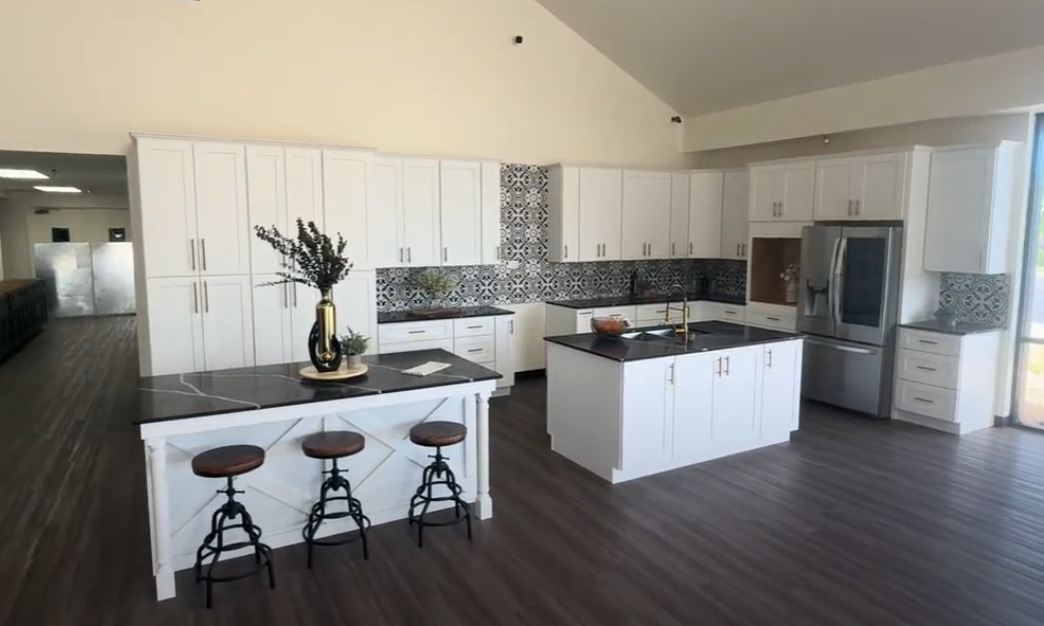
(483, 503)
(160, 512)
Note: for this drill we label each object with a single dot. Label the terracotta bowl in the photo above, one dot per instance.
(609, 326)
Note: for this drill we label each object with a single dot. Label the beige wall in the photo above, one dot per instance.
(947, 132)
(982, 86)
(422, 76)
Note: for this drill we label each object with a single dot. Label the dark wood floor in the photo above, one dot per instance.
(854, 522)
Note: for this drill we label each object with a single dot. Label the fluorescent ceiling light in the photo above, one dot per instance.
(51, 189)
(22, 174)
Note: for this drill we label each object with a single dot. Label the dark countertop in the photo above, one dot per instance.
(962, 328)
(392, 317)
(712, 336)
(181, 396)
(596, 303)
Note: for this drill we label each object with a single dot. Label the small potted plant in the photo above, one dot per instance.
(790, 276)
(355, 345)
(435, 284)
(947, 315)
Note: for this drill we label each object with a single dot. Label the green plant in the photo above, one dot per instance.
(435, 283)
(355, 343)
(946, 312)
(311, 259)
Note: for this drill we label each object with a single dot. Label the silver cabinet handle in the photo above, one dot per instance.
(192, 249)
(670, 377)
(781, 209)
(859, 207)
(769, 354)
(203, 248)
(195, 297)
(409, 254)
(717, 370)
(745, 247)
(737, 250)
(726, 366)
(474, 350)
(924, 400)
(475, 327)
(925, 369)
(672, 249)
(850, 207)
(206, 297)
(416, 332)
(445, 254)
(775, 207)
(929, 342)
(511, 323)
(772, 319)
(498, 253)
(728, 312)
(690, 248)
(295, 295)
(286, 295)
(566, 255)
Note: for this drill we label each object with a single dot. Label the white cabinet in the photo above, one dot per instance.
(646, 444)
(403, 195)
(735, 313)
(175, 326)
(563, 226)
(356, 300)
(601, 206)
(734, 222)
(705, 227)
(228, 325)
(490, 199)
(304, 187)
(734, 418)
(970, 202)
(782, 192)
(693, 416)
(384, 211)
(460, 188)
(680, 217)
(221, 208)
(780, 387)
(861, 188)
(345, 203)
(505, 345)
(646, 216)
(273, 343)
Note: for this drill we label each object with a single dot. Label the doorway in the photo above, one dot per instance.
(1028, 404)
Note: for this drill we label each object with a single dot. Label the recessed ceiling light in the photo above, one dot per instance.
(22, 174)
(51, 189)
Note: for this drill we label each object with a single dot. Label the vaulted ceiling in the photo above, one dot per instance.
(701, 56)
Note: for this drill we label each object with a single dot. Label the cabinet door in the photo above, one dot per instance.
(764, 194)
(384, 211)
(266, 196)
(505, 342)
(344, 202)
(272, 341)
(167, 202)
(563, 227)
(734, 416)
(960, 198)
(356, 301)
(780, 387)
(797, 192)
(223, 222)
(302, 317)
(460, 189)
(175, 326)
(693, 384)
(228, 322)
(646, 208)
(304, 187)
(835, 185)
(658, 215)
(645, 437)
(680, 216)
(420, 211)
(583, 321)
(601, 206)
(705, 215)
(881, 187)
(734, 224)
(490, 201)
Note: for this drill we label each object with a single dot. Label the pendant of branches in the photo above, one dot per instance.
(311, 259)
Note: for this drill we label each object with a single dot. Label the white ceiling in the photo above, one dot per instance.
(701, 56)
(93, 173)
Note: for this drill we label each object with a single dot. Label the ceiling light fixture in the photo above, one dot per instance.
(22, 174)
(52, 189)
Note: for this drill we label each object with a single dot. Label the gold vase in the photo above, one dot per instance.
(324, 349)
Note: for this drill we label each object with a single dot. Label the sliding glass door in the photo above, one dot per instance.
(1028, 406)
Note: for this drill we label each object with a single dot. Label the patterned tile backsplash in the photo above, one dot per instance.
(978, 298)
(523, 234)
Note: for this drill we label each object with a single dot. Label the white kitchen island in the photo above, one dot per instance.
(624, 408)
(271, 407)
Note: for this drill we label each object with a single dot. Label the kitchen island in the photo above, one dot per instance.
(651, 401)
(182, 415)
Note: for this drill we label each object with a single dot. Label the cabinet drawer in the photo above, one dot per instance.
(772, 320)
(724, 312)
(415, 331)
(423, 344)
(924, 341)
(656, 312)
(478, 349)
(473, 327)
(930, 369)
(926, 400)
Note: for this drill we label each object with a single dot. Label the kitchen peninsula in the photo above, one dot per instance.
(182, 415)
(652, 401)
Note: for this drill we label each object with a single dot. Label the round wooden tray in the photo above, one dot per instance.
(341, 374)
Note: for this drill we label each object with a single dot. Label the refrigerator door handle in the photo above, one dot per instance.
(839, 347)
(837, 277)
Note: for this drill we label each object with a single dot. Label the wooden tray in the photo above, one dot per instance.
(343, 373)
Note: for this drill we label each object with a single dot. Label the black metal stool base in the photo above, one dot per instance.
(214, 545)
(435, 475)
(320, 513)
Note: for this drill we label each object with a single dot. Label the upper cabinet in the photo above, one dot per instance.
(680, 247)
(345, 202)
(734, 224)
(970, 202)
(470, 212)
(704, 228)
(862, 188)
(584, 213)
(403, 215)
(782, 192)
(646, 232)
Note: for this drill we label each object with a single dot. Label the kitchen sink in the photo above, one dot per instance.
(661, 334)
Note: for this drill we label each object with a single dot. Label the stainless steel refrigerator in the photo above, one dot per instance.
(847, 306)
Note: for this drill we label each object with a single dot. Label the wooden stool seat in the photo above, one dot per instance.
(437, 434)
(227, 461)
(333, 444)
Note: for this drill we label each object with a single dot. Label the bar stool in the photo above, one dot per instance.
(436, 435)
(331, 446)
(228, 462)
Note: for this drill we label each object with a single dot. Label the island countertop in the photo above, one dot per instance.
(709, 336)
(183, 396)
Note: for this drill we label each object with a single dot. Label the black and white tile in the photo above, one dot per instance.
(977, 298)
(523, 234)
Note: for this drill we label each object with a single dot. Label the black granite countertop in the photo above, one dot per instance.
(596, 303)
(392, 317)
(181, 396)
(962, 328)
(710, 336)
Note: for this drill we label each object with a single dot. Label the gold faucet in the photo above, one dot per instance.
(684, 328)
